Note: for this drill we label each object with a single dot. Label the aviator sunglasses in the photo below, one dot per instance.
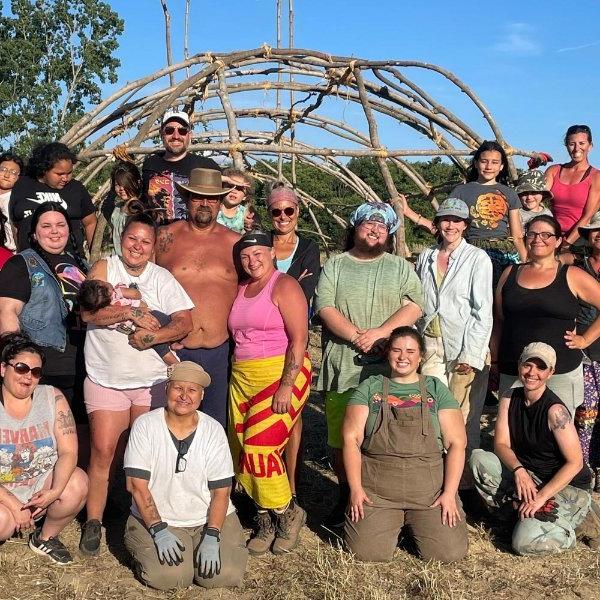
(23, 369)
(288, 211)
(170, 129)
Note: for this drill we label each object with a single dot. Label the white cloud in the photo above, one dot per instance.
(519, 39)
(581, 47)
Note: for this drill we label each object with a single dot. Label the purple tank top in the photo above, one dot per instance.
(256, 324)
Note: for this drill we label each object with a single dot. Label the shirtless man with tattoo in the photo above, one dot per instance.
(199, 254)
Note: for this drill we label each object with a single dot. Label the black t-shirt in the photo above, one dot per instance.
(29, 193)
(159, 177)
(14, 283)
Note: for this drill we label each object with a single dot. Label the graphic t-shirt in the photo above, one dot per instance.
(489, 206)
(403, 395)
(29, 193)
(159, 177)
(14, 283)
(28, 446)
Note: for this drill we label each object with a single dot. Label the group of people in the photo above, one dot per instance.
(180, 355)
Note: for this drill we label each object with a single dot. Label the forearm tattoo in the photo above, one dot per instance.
(290, 368)
(152, 512)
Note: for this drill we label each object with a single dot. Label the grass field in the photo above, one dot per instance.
(318, 569)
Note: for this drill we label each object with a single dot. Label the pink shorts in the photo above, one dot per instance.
(98, 397)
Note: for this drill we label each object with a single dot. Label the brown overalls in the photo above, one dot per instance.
(403, 475)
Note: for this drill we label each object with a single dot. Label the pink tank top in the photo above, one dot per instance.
(569, 200)
(256, 324)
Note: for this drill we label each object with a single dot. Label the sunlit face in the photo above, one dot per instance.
(534, 374)
(578, 147)
(531, 200)
(536, 245)
(489, 166)
(203, 210)
(137, 245)
(284, 215)
(58, 175)
(404, 356)
(594, 239)
(183, 397)
(20, 386)
(238, 194)
(451, 228)
(176, 137)
(371, 237)
(257, 261)
(52, 232)
(9, 173)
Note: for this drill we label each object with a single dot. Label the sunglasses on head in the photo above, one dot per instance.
(23, 369)
(170, 129)
(288, 211)
(181, 462)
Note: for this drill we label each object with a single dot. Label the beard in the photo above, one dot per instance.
(203, 218)
(371, 250)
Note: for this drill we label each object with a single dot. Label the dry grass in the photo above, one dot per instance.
(319, 569)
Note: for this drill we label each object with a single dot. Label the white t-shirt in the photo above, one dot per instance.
(182, 499)
(109, 359)
(4, 200)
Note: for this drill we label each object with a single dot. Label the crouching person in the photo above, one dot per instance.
(395, 432)
(38, 452)
(536, 476)
(183, 527)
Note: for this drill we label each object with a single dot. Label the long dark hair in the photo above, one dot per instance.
(71, 246)
(128, 176)
(13, 343)
(489, 146)
(45, 156)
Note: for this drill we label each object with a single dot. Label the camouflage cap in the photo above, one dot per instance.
(533, 181)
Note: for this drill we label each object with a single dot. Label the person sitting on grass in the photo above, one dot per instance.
(95, 294)
(38, 452)
(536, 475)
(395, 433)
(183, 527)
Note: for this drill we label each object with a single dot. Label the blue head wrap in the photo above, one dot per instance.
(376, 211)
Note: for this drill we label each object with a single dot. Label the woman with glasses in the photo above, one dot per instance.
(539, 302)
(38, 452)
(237, 212)
(575, 185)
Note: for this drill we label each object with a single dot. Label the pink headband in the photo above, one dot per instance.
(282, 193)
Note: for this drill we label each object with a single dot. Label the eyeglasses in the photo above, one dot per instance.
(181, 463)
(170, 130)
(288, 211)
(23, 369)
(374, 225)
(11, 172)
(543, 235)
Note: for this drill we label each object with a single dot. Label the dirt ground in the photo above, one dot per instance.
(318, 569)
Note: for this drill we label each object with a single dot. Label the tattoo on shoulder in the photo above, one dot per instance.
(165, 241)
(66, 422)
(560, 419)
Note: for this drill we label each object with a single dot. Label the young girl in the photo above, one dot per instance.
(532, 191)
(95, 294)
(237, 213)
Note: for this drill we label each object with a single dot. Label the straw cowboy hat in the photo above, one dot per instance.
(204, 182)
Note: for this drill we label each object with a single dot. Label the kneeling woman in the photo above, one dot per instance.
(38, 452)
(536, 472)
(270, 383)
(395, 433)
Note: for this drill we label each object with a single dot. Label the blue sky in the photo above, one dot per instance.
(535, 65)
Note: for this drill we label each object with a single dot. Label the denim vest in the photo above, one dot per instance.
(43, 317)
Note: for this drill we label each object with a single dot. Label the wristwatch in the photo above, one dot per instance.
(214, 532)
(154, 529)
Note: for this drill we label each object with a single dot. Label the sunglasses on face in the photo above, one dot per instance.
(288, 211)
(170, 130)
(23, 369)
(181, 463)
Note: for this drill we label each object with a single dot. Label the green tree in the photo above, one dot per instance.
(54, 56)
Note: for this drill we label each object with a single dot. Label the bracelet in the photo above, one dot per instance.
(517, 468)
(214, 532)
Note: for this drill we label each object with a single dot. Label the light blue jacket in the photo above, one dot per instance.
(463, 302)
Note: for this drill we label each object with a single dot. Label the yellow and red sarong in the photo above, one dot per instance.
(257, 434)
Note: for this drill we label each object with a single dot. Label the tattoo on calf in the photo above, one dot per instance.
(66, 422)
(561, 419)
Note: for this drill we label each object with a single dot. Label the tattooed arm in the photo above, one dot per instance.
(144, 501)
(66, 447)
(177, 329)
(289, 298)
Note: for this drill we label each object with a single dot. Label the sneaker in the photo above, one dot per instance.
(287, 531)
(91, 534)
(588, 531)
(264, 536)
(53, 548)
